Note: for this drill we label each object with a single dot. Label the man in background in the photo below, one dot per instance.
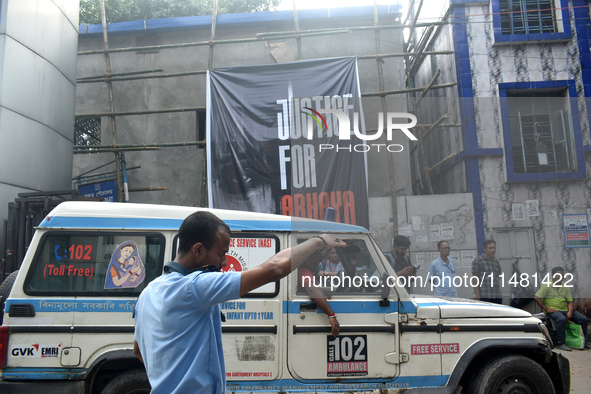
(556, 301)
(402, 264)
(487, 269)
(442, 272)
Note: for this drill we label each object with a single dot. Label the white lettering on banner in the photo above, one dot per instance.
(437, 348)
(303, 165)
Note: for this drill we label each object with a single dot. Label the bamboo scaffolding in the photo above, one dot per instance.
(112, 118)
(155, 146)
(292, 33)
(411, 5)
(204, 190)
(297, 33)
(259, 37)
(422, 136)
(87, 178)
(104, 76)
(194, 44)
(437, 123)
(94, 169)
(413, 24)
(404, 54)
(427, 88)
(147, 189)
(114, 149)
(409, 90)
(424, 162)
(143, 112)
(442, 162)
(99, 79)
(429, 125)
(380, 66)
(152, 76)
(417, 59)
(214, 19)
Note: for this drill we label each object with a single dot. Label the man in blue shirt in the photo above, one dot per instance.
(178, 334)
(442, 272)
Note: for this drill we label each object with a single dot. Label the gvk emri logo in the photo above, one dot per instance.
(297, 121)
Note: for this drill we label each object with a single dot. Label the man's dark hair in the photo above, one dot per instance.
(557, 269)
(441, 243)
(488, 242)
(401, 240)
(201, 226)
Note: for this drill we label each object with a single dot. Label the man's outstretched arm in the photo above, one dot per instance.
(285, 261)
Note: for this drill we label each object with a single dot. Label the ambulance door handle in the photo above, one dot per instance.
(308, 306)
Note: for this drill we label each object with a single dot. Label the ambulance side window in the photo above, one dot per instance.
(248, 251)
(355, 269)
(95, 264)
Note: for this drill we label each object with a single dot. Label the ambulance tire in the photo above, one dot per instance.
(5, 288)
(130, 382)
(511, 374)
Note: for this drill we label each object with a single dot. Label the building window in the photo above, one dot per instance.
(527, 16)
(541, 132)
(541, 125)
(517, 21)
(87, 131)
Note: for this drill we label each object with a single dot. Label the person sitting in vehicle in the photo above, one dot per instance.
(556, 301)
(332, 266)
(307, 283)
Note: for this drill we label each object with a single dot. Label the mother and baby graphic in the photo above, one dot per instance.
(126, 268)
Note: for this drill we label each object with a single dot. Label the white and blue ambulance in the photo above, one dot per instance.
(68, 316)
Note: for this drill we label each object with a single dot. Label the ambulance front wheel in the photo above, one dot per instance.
(511, 374)
(130, 382)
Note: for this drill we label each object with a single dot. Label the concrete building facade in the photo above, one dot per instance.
(522, 149)
(38, 44)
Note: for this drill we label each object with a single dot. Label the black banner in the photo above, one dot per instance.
(273, 146)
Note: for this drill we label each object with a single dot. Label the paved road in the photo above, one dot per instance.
(580, 370)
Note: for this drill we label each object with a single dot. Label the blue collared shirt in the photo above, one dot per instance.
(179, 333)
(446, 274)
